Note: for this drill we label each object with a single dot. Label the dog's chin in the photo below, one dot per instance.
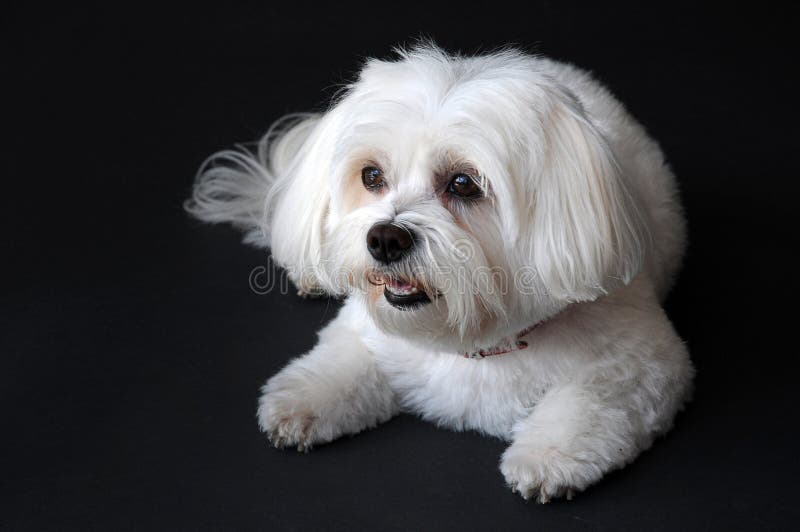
(419, 315)
(406, 307)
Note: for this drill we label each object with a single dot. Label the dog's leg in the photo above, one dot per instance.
(585, 427)
(333, 390)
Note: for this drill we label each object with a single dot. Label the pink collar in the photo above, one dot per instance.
(500, 350)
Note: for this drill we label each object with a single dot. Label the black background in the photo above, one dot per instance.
(132, 347)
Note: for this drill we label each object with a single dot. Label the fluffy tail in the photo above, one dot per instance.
(233, 186)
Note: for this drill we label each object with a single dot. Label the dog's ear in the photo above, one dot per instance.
(278, 194)
(298, 204)
(587, 235)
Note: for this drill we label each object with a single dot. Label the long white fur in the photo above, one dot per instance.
(581, 231)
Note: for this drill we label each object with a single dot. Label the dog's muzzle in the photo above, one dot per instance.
(388, 243)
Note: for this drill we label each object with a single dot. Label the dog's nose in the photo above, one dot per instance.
(388, 242)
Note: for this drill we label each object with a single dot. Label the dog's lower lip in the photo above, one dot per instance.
(403, 294)
(406, 301)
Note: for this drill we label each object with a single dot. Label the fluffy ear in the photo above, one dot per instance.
(587, 231)
(278, 194)
(299, 203)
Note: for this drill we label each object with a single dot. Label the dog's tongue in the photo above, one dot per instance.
(398, 284)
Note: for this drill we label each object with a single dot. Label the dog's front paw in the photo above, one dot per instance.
(546, 473)
(286, 424)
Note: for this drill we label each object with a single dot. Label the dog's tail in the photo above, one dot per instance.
(233, 186)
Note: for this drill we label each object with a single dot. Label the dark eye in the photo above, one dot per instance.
(463, 186)
(372, 178)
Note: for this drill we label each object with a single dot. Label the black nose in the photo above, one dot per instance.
(388, 242)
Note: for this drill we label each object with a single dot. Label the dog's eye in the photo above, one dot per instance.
(463, 186)
(372, 178)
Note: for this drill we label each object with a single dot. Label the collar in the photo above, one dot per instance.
(517, 345)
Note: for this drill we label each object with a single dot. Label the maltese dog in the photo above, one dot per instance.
(504, 233)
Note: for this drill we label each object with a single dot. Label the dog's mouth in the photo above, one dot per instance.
(404, 294)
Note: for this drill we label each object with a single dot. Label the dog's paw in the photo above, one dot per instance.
(286, 425)
(545, 474)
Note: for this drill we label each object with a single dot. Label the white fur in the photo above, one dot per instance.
(580, 232)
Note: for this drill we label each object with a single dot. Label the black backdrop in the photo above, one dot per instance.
(132, 348)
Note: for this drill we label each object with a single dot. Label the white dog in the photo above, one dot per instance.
(504, 232)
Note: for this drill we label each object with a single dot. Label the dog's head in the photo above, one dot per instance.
(461, 198)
